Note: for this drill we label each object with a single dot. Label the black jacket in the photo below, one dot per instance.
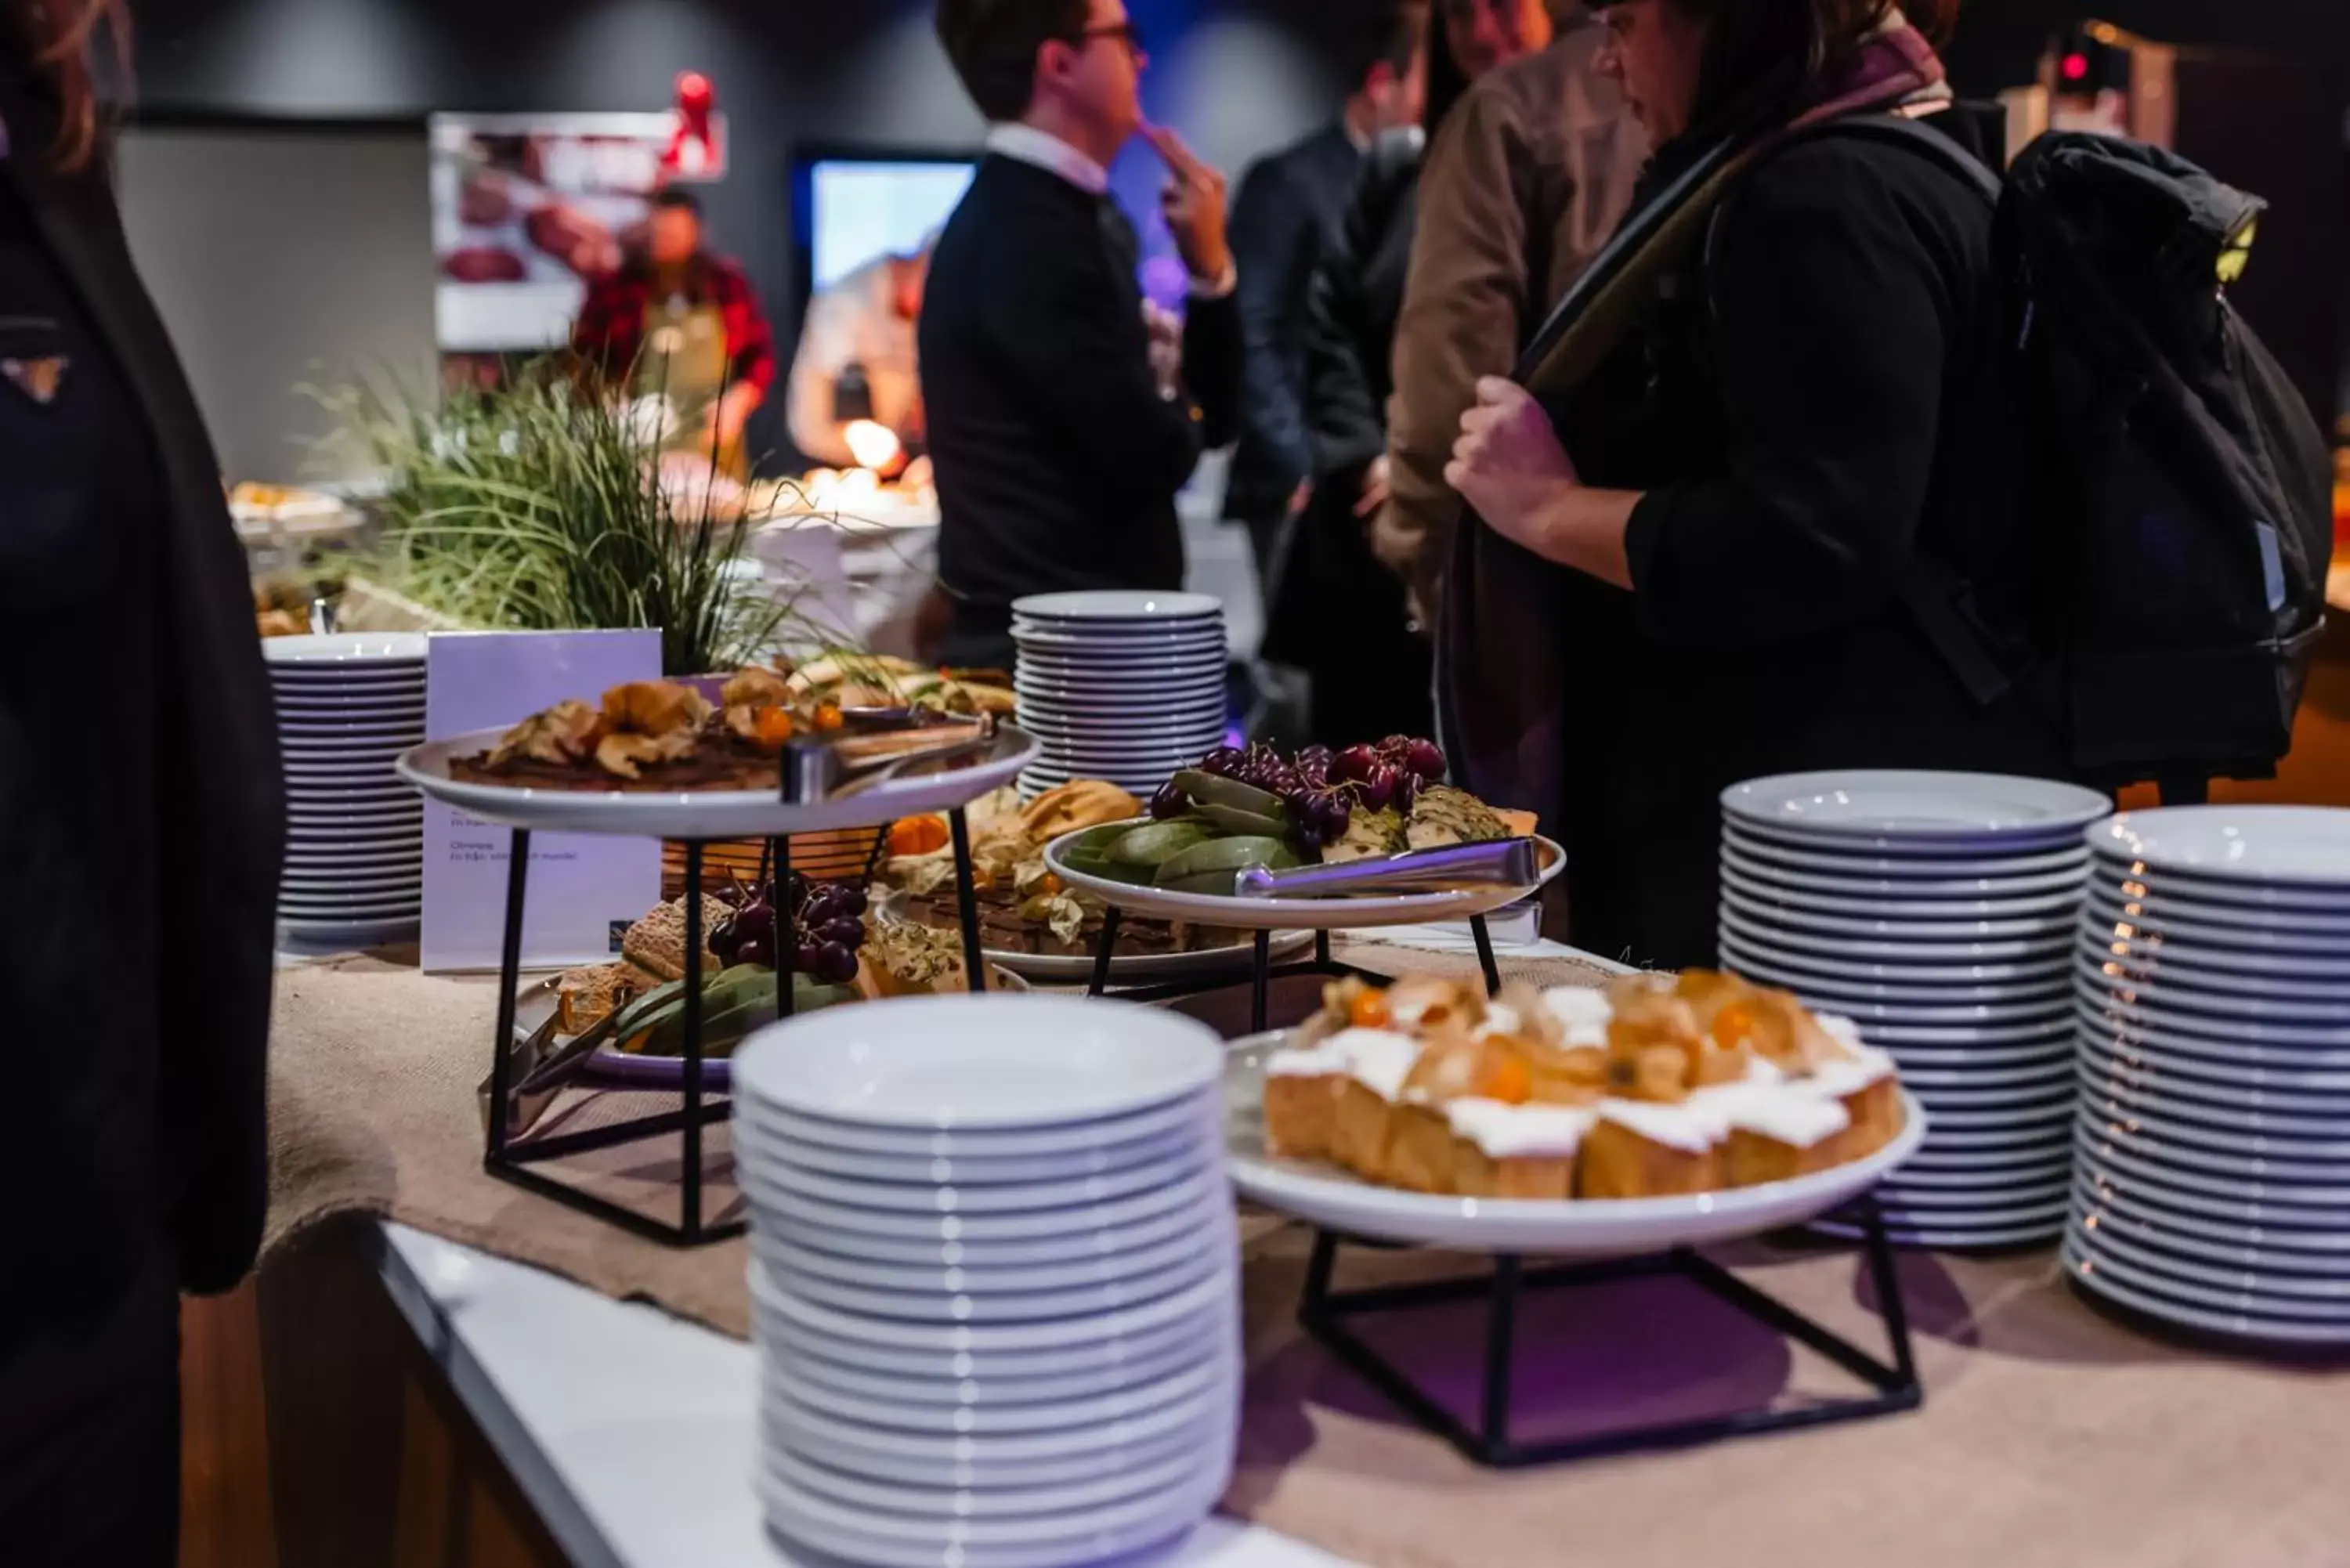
(1057, 458)
(1808, 412)
(1337, 612)
(140, 805)
(1289, 210)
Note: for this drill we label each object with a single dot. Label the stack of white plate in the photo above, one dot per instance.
(1127, 687)
(347, 705)
(1939, 910)
(2213, 1182)
(995, 1278)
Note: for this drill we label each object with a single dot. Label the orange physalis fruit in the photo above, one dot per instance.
(1734, 1024)
(917, 835)
(771, 726)
(1509, 1080)
(1369, 1011)
(828, 716)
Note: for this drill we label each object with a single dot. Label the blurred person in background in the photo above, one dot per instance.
(1335, 613)
(682, 324)
(855, 366)
(138, 863)
(1695, 561)
(1531, 178)
(1060, 439)
(1288, 213)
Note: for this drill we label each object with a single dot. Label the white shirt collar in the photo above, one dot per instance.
(1049, 152)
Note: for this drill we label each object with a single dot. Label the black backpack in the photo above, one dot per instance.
(2183, 488)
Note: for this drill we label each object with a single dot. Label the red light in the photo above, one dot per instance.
(2076, 66)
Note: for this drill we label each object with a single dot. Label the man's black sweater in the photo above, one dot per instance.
(1057, 458)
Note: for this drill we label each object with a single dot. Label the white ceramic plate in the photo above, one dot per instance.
(1934, 1086)
(2122, 1286)
(2308, 845)
(2221, 924)
(1159, 1124)
(806, 1361)
(2119, 879)
(981, 1309)
(796, 1266)
(1072, 1246)
(1895, 926)
(1957, 1239)
(1575, 1227)
(1909, 863)
(763, 1176)
(2210, 1090)
(978, 1503)
(1923, 976)
(1117, 604)
(781, 1136)
(1835, 994)
(1210, 1335)
(2163, 1007)
(347, 649)
(1312, 914)
(2246, 1236)
(1879, 905)
(2170, 992)
(1217, 1296)
(1122, 689)
(832, 1528)
(2158, 1117)
(1768, 938)
(712, 813)
(2101, 1159)
(2282, 1297)
(2176, 1039)
(1904, 807)
(979, 1062)
(989, 1228)
(1049, 724)
(1754, 868)
(2310, 1184)
(346, 933)
(2231, 970)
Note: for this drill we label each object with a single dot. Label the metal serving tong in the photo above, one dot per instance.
(822, 770)
(1460, 868)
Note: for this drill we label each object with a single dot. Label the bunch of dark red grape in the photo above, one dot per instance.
(827, 926)
(1321, 788)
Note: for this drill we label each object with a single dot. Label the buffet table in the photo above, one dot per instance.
(648, 1463)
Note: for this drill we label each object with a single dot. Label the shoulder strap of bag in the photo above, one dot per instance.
(1938, 599)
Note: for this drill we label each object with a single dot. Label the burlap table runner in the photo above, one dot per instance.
(2052, 1435)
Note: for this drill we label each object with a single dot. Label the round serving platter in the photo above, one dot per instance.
(710, 814)
(1577, 1228)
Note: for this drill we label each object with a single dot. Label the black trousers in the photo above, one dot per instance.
(89, 1435)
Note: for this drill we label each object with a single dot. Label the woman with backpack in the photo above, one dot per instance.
(1774, 437)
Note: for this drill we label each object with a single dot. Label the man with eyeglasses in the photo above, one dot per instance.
(1059, 439)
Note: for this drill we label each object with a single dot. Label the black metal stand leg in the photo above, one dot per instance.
(1323, 1311)
(1264, 983)
(1322, 949)
(1110, 918)
(689, 1206)
(967, 902)
(509, 983)
(1485, 959)
(788, 943)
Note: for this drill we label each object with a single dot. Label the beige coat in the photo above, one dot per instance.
(1528, 177)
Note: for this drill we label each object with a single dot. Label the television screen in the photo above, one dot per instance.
(862, 211)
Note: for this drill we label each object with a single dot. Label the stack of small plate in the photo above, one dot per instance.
(1127, 687)
(2213, 1182)
(1938, 911)
(347, 705)
(995, 1278)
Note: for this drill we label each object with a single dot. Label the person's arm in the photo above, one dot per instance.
(1273, 242)
(605, 332)
(1830, 346)
(823, 352)
(1212, 355)
(1464, 317)
(751, 343)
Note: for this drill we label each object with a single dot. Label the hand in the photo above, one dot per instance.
(1374, 498)
(731, 413)
(1508, 463)
(1194, 204)
(1166, 333)
(1301, 498)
